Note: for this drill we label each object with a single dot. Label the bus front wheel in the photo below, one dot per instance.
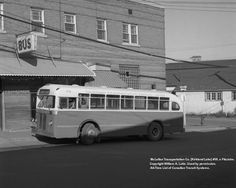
(89, 134)
(155, 131)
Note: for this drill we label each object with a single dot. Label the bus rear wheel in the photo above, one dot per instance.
(89, 134)
(155, 131)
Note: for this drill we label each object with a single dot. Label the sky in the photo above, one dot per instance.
(205, 28)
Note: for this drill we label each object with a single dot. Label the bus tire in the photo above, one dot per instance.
(89, 134)
(155, 131)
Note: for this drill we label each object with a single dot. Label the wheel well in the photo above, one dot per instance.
(157, 121)
(88, 121)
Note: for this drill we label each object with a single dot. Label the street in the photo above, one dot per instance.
(124, 162)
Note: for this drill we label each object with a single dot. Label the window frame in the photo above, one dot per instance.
(175, 106)
(83, 101)
(94, 98)
(45, 101)
(155, 101)
(162, 102)
(68, 100)
(72, 23)
(39, 21)
(138, 100)
(213, 96)
(113, 102)
(129, 33)
(124, 99)
(104, 21)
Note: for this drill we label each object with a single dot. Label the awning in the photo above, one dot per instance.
(107, 78)
(10, 66)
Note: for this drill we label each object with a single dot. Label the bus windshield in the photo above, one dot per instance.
(46, 101)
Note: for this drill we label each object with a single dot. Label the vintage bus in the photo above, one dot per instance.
(88, 113)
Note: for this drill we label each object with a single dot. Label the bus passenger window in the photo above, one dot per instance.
(153, 103)
(72, 103)
(127, 102)
(175, 106)
(63, 102)
(83, 101)
(140, 102)
(164, 103)
(113, 101)
(97, 101)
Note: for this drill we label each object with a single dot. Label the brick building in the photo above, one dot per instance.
(85, 42)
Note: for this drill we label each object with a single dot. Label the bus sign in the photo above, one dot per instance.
(26, 43)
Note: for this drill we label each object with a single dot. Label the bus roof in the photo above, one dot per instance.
(75, 89)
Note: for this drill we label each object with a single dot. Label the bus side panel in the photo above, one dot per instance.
(66, 124)
(116, 123)
(174, 123)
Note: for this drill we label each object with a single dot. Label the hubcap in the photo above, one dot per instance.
(91, 132)
(155, 132)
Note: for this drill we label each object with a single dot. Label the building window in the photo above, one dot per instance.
(213, 96)
(130, 34)
(1, 18)
(37, 20)
(130, 75)
(233, 95)
(101, 29)
(70, 23)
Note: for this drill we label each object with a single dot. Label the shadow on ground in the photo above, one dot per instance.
(103, 140)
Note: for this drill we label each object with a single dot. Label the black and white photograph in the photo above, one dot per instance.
(117, 93)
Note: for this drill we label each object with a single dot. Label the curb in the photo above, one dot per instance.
(15, 148)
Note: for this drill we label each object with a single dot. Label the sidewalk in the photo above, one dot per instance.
(22, 138)
(13, 140)
(209, 124)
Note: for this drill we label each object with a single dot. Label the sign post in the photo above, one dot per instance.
(183, 98)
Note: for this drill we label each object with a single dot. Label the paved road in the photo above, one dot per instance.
(124, 163)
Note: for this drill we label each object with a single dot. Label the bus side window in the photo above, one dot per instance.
(164, 103)
(97, 101)
(175, 106)
(113, 101)
(72, 103)
(140, 102)
(127, 102)
(63, 102)
(83, 101)
(153, 103)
